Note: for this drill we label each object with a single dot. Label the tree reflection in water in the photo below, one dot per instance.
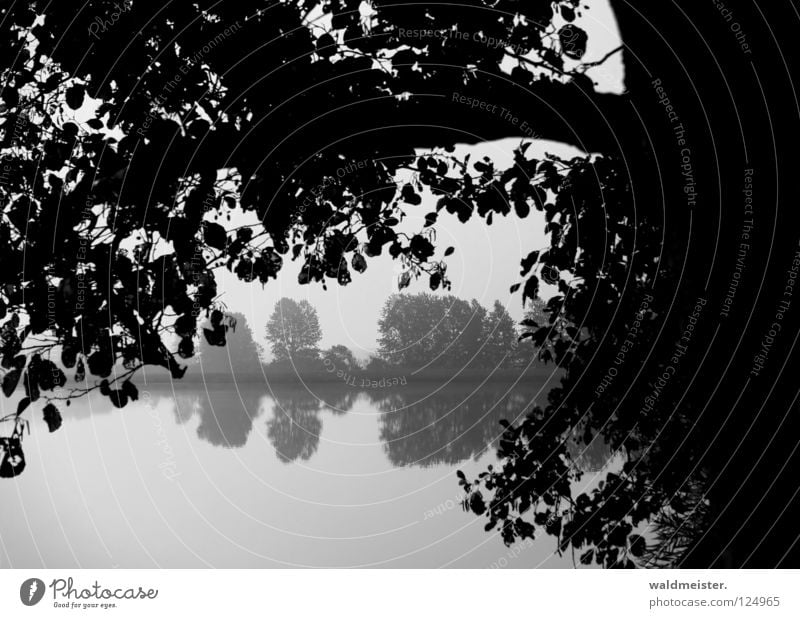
(295, 426)
(420, 425)
(226, 413)
(426, 427)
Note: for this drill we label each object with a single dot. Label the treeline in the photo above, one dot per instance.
(429, 330)
(415, 331)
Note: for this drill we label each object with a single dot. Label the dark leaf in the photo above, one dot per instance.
(637, 544)
(118, 398)
(529, 262)
(476, 503)
(522, 209)
(421, 248)
(101, 362)
(130, 390)
(31, 386)
(75, 95)
(215, 336)
(326, 46)
(573, 41)
(10, 381)
(214, 235)
(80, 372)
(404, 281)
(410, 196)
(22, 405)
(69, 354)
(531, 289)
(359, 263)
(186, 347)
(52, 417)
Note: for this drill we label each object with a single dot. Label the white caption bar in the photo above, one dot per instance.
(398, 593)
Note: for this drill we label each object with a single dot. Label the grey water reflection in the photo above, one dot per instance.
(419, 426)
(241, 475)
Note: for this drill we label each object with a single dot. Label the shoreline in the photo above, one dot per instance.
(397, 377)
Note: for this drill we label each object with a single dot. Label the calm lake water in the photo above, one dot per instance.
(259, 476)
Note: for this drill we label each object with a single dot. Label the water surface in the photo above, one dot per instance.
(266, 476)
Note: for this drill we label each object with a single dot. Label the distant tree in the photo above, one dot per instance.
(419, 329)
(547, 318)
(293, 331)
(240, 357)
(536, 315)
(406, 329)
(536, 312)
(340, 357)
(473, 336)
(500, 336)
(376, 363)
(460, 332)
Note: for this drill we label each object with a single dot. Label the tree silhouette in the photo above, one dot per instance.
(674, 437)
(293, 331)
(127, 144)
(537, 315)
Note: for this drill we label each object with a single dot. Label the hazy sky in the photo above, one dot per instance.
(485, 263)
(484, 266)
